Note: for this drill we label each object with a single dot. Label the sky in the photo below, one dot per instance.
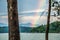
(30, 12)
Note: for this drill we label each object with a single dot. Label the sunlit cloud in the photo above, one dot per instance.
(37, 10)
(33, 20)
(3, 16)
(36, 20)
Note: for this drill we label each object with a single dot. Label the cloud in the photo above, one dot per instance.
(4, 19)
(3, 16)
(36, 10)
(36, 20)
(33, 20)
(43, 19)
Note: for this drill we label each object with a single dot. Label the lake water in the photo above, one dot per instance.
(32, 36)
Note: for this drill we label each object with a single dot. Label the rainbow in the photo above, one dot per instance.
(40, 4)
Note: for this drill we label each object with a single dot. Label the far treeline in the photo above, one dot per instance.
(54, 28)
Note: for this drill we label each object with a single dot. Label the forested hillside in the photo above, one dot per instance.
(54, 28)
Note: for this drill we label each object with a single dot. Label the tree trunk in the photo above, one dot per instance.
(48, 20)
(13, 20)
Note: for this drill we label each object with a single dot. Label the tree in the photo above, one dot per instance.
(57, 7)
(48, 20)
(13, 20)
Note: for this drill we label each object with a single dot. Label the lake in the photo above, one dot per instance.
(32, 36)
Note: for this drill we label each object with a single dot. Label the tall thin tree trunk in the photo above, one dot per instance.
(48, 20)
(13, 20)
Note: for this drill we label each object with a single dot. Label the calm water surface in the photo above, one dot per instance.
(32, 36)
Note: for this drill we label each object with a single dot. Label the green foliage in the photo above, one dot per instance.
(54, 28)
(38, 29)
